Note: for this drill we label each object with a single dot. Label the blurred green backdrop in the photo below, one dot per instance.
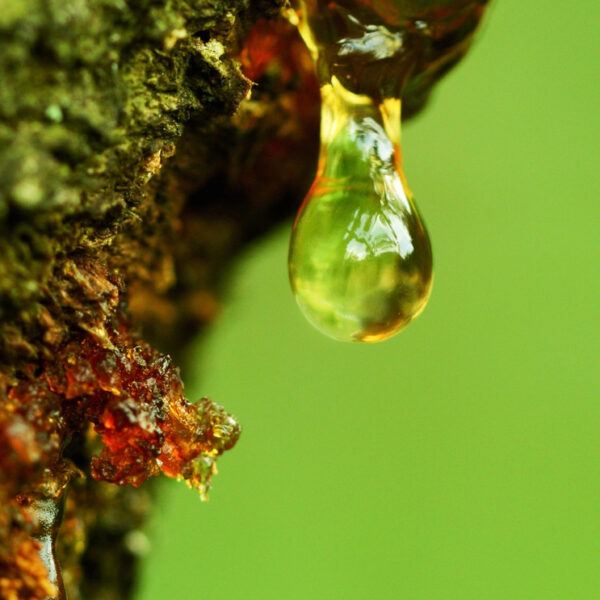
(460, 460)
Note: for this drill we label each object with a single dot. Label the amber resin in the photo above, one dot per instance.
(119, 396)
(360, 259)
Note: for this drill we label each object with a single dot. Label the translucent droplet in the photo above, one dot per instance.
(360, 259)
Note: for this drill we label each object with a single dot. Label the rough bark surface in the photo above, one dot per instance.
(97, 239)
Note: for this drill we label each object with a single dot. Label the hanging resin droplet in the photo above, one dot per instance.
(360, 259)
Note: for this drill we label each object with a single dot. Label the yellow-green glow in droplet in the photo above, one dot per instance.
(360, 260)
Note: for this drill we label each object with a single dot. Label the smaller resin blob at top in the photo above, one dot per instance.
(360, 259)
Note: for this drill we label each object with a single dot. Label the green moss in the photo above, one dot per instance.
(14, 10)
(91, 90)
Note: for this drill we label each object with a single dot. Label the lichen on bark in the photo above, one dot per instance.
(94, 96)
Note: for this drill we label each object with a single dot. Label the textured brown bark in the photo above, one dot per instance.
(95, 96)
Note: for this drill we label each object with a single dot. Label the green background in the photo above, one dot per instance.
(461, 459)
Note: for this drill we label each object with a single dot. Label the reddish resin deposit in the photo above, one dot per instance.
(123, 397)
(132, 397)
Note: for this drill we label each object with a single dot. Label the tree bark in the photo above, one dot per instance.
(95, 97)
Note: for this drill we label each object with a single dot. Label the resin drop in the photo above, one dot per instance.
(360, 260)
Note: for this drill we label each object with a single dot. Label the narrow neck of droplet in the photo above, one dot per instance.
(342, 110)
